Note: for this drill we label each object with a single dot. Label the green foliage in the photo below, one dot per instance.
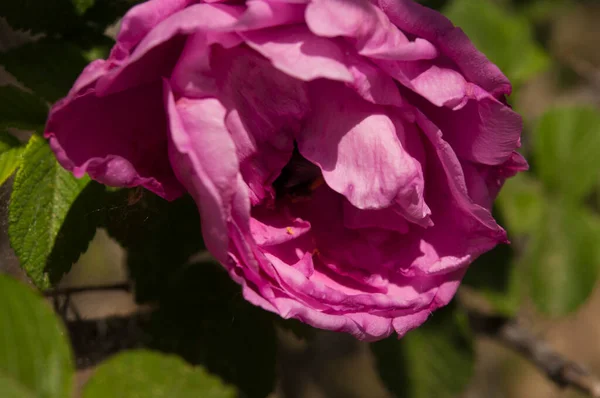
(564, 258)
(495, 277)
(504, 37)
(11, 152)
(61, 63)
(204, 318)
(77, 230)
(159, 236)
(435, 360)
(42, 195)
(35, 359)
(550, 214)
(153, 375)
(21, 109)
(568, 139)
(521, 204)
(50, 16)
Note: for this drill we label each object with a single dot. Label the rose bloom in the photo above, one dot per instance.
(344, 154)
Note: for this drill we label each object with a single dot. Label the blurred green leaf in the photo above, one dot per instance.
(107, 12)
(204, 318)
(20, 109)
(47, 66)
(567, 144)
(434, 360)
(35, 358)
(10, 388)
(159, 236)
(504, 37)
(435, 4)
(521, 201)
(494, 276)
(563, 258)
(147, 374)
(49, 16)
(42, 195)
(202, 314)
(81, 6)
(11, 152)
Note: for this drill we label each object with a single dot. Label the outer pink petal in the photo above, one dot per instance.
(141, 19)
(194, 75)
(203, 157)
(119, 140)
(299, 53)
(484, 182)
(156, 54)
(430, 25)
(371, 30)
(359, 151)
(484, 130)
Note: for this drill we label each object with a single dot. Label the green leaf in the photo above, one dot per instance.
(521, 201)
(504, 37)
(35, 358)
(42, 194)
(563, 258)
(10, 388)
(20, 109)
(434, 360)
(204, 318)
(47, 66)
(567, 143)
(78, 229)
(147, 374)
(11, 152)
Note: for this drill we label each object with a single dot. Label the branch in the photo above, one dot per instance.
(513, 335)
(95, 340)
(67, 291)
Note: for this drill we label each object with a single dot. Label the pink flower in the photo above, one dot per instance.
(344, 154)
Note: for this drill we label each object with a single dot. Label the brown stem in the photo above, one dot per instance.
(510, 333)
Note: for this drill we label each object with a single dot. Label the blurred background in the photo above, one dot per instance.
(547, 278)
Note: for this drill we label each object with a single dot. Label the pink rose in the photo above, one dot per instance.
(344, 154)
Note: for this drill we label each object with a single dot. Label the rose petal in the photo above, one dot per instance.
(299, 53)
(358, 149)
(483, 131)
(203, 158)
(263, 14)
(119, 140)
(430, 25)
(142, 18)
(388, 219)
(372, 83)
(269, 228)
(267, 108)
(373, 33)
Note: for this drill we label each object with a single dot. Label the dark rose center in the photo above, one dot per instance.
(298, 178)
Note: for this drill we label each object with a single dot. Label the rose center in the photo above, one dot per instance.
(298, 178)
